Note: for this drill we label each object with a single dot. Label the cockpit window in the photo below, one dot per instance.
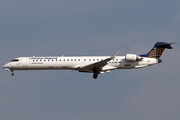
(15, 60)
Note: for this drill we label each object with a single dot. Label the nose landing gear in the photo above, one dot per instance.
(12, 74)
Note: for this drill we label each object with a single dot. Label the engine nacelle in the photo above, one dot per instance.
(132, 57)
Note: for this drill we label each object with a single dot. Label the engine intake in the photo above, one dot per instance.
(132, 57)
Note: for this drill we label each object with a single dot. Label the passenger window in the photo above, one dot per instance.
(116, 59)
(89, 59)
(84, 59)
(78, 59)
(93, 59)
(64, 59)
(67, 59)
(36, 60)
(44, 60)
(74, 59)
(71, 59)
(52, 59)
(97, 59)
(59, 59)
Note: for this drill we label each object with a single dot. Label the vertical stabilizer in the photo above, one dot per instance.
(157, 50)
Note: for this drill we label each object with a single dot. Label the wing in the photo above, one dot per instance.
(98, 65)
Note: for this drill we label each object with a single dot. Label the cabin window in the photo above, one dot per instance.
(59, 59)
(78, 59)
(48, 60)
(84, 59)
(44, 60)
(64, 60)
(93, 59)
(116, 59)
(101, 59)
(52, 59)
(97, 59)
(36, 60)
(89, 59)
(74, 59)
(71, 59)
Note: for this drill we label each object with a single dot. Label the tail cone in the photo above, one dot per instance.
(159, 61)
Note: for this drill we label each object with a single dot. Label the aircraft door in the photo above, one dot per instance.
(24, 62)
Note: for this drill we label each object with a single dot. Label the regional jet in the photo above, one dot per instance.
(89, 64)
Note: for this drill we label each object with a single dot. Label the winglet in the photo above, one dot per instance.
(114, 55)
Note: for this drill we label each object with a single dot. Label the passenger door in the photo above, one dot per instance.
(25, 62)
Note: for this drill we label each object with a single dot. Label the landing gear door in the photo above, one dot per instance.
(24, 62)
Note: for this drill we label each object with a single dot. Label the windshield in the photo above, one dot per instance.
(15, 60)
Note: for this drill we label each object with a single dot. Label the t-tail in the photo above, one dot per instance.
(157, 50)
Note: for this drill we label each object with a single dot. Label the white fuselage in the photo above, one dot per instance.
(75, 63)
(92, 64)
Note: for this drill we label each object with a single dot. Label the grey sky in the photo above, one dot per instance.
(96, 27)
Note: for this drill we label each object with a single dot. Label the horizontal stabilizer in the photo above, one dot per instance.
(164, 45)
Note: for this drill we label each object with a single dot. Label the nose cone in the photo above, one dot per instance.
(6, 66)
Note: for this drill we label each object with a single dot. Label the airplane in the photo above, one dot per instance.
(90, 64)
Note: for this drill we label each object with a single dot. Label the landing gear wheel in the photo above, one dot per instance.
(12, 74)
(95, 75)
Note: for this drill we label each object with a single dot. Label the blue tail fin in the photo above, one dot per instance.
(157, 50)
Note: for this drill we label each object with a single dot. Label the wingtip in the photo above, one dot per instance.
(114, 54)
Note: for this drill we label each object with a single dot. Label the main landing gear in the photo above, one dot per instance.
(12, 74)
(95, 75)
